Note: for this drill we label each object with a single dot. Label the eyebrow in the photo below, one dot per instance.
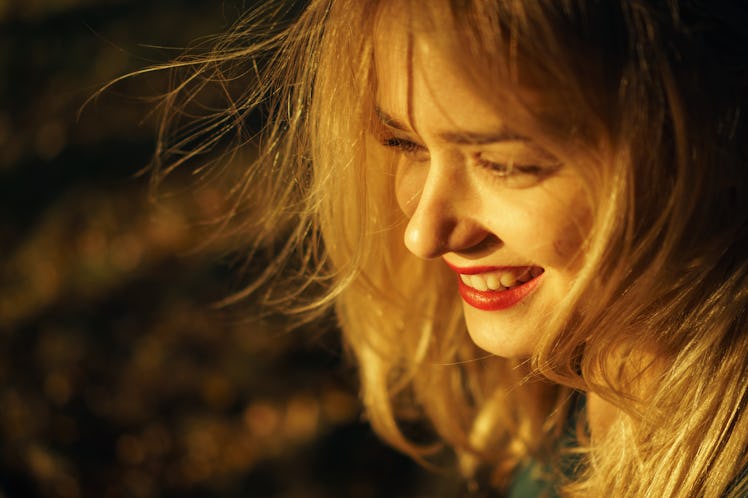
(457, 137)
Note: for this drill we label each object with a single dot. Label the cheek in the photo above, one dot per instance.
(568, 243)
(409, 182)
(548, 228)
(570, 231)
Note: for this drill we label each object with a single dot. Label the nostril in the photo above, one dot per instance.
(430, 235)
(488, 243)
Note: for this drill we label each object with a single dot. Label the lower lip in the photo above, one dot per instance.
(496, 300)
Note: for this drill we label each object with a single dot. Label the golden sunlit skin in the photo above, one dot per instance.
(464, 203)
(526, 219)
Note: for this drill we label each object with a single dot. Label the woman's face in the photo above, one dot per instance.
(505, 214)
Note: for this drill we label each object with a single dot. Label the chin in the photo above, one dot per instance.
(501, 333)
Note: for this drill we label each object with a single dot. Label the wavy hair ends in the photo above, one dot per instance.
(656, 320)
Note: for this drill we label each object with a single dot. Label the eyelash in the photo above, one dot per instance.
(508, 169)
(409, 147)
(402, 145)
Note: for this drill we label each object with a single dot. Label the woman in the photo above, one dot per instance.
(568, 307)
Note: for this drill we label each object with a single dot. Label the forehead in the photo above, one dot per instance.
(418, 78)
(426, 78)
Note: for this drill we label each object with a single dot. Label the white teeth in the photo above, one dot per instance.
(478, 283)
(493, 282)
(500, 280)
(507, 280)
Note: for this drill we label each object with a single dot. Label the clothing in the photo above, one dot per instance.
(529, 483)
(533, 480)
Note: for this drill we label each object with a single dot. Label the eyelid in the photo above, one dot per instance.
(509, 168)
(522, 159)
(402, 144)
(513, 174)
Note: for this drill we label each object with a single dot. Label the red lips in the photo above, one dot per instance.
(493, 300)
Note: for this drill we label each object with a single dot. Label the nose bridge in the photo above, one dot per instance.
(442, 220)
(443, 189)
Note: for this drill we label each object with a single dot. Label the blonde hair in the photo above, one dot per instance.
(646, 95)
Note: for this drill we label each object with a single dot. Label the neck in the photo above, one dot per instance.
(600, 415)
(638, 371)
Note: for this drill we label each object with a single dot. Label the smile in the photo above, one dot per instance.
(497, 288)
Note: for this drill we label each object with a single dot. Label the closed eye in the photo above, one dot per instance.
(403, 145)
(517, 175)
(511, 168)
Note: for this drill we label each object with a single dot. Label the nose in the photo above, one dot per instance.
(442, 212)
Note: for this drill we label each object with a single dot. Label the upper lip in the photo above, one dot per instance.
(475, 270)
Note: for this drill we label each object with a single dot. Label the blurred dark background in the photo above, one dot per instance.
(117, 376)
